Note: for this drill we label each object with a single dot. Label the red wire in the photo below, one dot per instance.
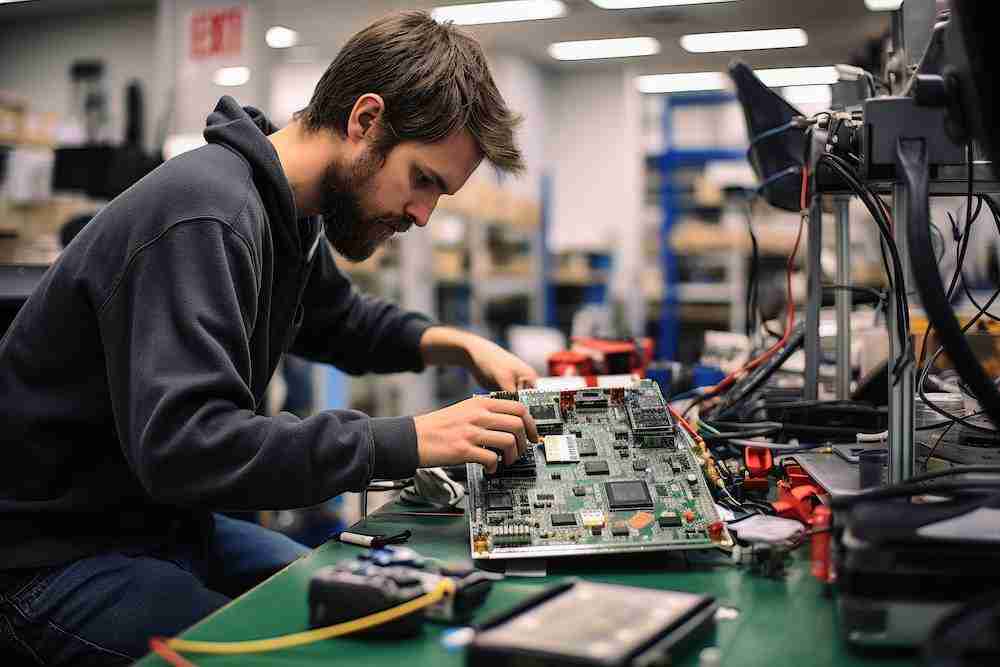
(160, 648)
(684, 423)
(790, 311)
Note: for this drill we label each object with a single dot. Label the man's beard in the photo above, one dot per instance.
(352, 234)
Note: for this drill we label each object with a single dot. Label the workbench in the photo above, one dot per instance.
(769, 621)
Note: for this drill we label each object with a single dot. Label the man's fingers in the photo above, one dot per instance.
(486, 457)
(496, 421)
(517, 409)
(505, 442)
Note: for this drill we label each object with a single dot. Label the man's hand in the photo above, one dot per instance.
(460, 433)
(492, 366)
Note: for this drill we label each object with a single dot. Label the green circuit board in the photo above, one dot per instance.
(614, 475)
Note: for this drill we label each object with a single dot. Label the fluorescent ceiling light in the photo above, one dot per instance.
(280, 37)
(499, 12)
(883, 5)
(744, 40)
(808, 95)
(590, 49)
(677, 83)
(638, 4)
(775, 78)
(231, 76)
(10, 2)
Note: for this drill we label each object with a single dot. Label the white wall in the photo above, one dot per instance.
(523, 86)
(187, 83)
(594, 152)
(35, 57)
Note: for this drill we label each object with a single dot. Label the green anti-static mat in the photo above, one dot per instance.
(786, 621)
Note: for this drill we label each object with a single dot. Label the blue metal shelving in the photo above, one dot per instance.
(667, 163)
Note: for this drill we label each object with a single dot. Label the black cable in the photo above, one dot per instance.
(754, 278)
(912, 166)
(907, 489)
(719, 425)
(975, 304)
(930, 363)
(860, 289)
(897, 277)
(962, 245)
(957, 470)
(753, 433)
(941, 437)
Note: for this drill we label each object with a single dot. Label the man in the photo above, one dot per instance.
(133, 378)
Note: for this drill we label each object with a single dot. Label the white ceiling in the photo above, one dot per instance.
(837, 29)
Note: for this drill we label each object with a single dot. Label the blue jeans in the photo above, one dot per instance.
(102, 610)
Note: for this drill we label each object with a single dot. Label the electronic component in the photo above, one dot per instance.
(565, 519)
(499, 501)
(591, 399)
(669, 520)
(597, 468)
(561, 449)
(551, 503)
(547, 418)
(628, 495)
(574, 634)
(387, 577)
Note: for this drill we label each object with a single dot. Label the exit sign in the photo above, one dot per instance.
(217, 32)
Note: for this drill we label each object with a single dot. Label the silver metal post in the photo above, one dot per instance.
(843, 296)
(814, 299)
(901, 455)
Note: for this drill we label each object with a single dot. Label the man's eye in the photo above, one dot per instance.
(423, 180)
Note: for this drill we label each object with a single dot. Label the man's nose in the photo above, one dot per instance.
(420, 212)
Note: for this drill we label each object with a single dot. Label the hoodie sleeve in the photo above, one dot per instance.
(355, 332)
(176, 329)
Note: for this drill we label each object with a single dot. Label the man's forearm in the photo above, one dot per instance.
(446, 346)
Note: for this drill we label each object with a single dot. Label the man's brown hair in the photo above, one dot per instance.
(434, 80)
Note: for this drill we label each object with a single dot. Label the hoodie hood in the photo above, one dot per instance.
(244, 130)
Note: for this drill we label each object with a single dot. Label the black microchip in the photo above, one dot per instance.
(579, 490)
(624, 453)
(563, 519)
(544, 412)
(586, 448)
(556, 475)
(632, 494)
(597, 468)
(596, 530)
(640, 464)
(619, 530)
(662, 490)
(670, 520)
(499, 501)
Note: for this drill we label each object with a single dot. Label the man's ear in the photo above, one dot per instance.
(362, 121)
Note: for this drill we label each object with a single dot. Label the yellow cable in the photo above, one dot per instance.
(445, 588)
